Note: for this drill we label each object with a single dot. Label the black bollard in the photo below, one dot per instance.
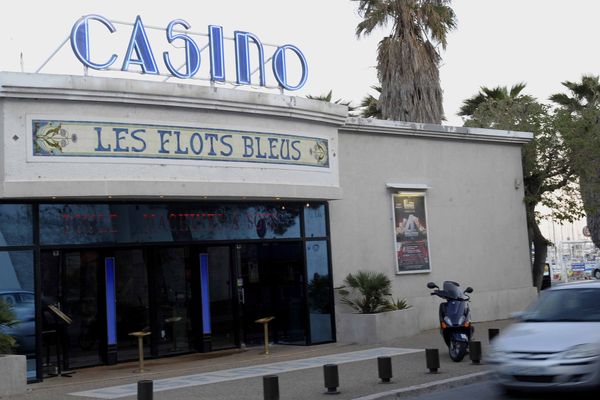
(144, 390)
(384, 366)
(271, 387)
(432, 357)
(475, 351)
(492, 333)
(332, 380)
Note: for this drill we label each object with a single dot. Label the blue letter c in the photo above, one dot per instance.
(80, 40)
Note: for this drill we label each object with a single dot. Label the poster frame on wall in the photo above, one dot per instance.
(421, 236)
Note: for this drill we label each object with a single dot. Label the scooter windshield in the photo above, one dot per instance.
(452, 290)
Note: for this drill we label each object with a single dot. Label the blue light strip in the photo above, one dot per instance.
(205, 295)
(111, 304)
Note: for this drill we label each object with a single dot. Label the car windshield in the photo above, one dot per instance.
(569, 305)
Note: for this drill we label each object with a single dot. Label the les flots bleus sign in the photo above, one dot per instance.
(139, 52)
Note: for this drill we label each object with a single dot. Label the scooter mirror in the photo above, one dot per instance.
(469, 290)
(432, 285)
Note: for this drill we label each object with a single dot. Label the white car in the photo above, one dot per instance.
(555, 344)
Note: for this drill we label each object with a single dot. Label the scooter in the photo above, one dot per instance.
(455, 318)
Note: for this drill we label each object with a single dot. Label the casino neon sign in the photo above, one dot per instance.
(139, 53)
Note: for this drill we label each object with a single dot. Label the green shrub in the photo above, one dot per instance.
(369, 292)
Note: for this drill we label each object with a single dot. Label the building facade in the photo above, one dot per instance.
(190, 212)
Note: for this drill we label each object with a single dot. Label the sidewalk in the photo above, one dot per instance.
(237, 374)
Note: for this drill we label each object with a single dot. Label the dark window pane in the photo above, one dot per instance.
(314, 221)
(16, 290)
(319, 291)
(15, 225)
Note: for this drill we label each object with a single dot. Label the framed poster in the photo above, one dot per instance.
(410, 228)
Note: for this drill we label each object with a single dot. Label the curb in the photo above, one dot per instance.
(428, 387)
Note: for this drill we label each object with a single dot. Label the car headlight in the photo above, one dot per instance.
(586, 350)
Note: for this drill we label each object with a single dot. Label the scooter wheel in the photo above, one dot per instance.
(457, 350)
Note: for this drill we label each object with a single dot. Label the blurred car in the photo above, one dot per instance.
(555, 344)
(23, 306)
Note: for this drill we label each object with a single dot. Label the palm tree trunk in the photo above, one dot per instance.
(540, 247)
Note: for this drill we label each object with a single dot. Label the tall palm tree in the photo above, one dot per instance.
(408, 59)
(583, 138)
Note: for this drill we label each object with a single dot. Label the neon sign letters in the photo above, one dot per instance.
(139, 52)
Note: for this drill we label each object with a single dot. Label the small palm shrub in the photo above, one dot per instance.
(7, 319)
(369, 292)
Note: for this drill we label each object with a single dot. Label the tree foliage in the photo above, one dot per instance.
(328, 97)
(369, 106)
(408, 59)
(7, 319)
(547, 174)
(581, 132)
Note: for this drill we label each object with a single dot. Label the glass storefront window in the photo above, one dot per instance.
(16, 227)
(319, 291)
(17, 290)
(176, 222)
(314, 220)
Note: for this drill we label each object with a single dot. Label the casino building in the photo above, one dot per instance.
(189, 212)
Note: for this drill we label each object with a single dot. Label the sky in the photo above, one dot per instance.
(496, 42)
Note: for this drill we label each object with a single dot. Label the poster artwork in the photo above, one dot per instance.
(410, 222)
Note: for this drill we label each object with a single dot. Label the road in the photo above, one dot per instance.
(487, 390)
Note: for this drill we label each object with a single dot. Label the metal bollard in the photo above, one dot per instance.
(475, 352)
(144, 390)
(492, 333)
(432, 357)
(384, 367)
(331, 377)
(271, 387)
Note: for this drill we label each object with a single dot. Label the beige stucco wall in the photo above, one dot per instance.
(476, 218)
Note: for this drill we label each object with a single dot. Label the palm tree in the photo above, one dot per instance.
(369, 292)
(485, 94)
(582, 135)
(408, 59)
(328, 97)
(370, 105)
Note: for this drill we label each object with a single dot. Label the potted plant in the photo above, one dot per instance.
(12, 367)
(7, 319)
(378, 317)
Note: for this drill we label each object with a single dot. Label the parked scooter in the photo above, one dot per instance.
(455, 318)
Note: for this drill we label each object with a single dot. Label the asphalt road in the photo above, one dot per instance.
(487, 390)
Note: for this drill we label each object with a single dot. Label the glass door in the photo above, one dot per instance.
(171, 302)
(272, 285)
(217, 270)
(132, 305)
(70, 282)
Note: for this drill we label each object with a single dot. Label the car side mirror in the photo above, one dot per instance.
(432, 285)
(469, 290)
